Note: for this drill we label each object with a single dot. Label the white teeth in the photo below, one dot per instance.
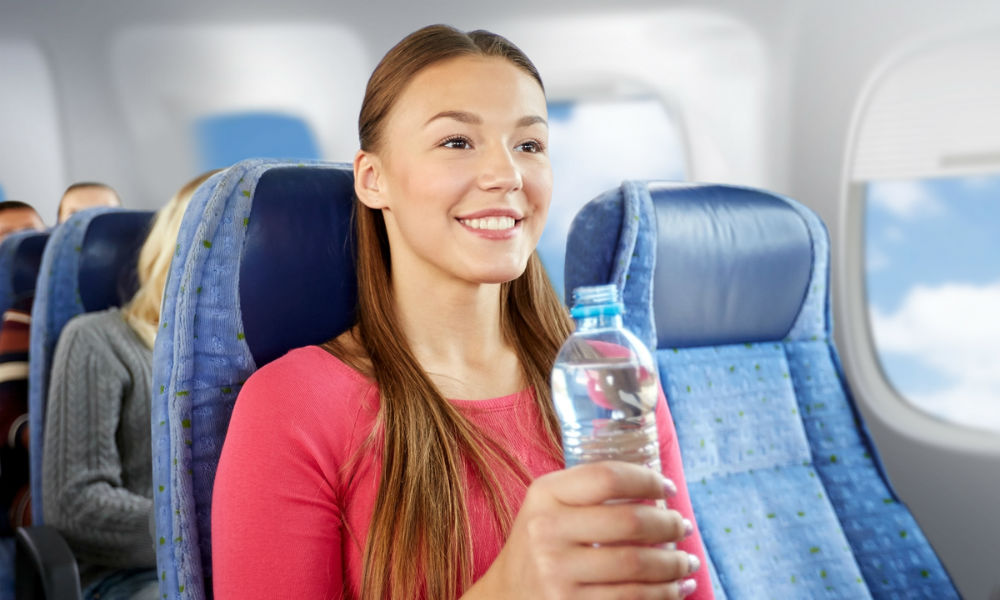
(495, 223)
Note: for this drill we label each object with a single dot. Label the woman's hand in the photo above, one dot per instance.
(574, 537)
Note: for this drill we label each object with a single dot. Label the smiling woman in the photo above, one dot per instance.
(449, 482)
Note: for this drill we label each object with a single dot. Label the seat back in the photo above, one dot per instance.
(7, 249)
(88, 265)
(730, 285)
(20, 260)
(265, 264)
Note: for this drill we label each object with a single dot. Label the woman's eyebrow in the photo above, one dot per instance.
(458, 115)
(531, 120)
(474, 119)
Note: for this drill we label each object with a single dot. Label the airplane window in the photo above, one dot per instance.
(594, 145)
(228, 138)
(933, 284)
(195, 96)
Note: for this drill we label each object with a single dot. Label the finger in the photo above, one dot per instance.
(675, 590)
(629, 564)
(618, 523)
(600, 482)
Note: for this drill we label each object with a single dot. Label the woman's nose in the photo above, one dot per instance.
(499, 171)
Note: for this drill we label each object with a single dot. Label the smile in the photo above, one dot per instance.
(490, 223)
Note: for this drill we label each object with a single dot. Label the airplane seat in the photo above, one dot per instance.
(729, 285)
(20, 253)
(265, 264)
(8, 248)
(88, 265)
(20, 256)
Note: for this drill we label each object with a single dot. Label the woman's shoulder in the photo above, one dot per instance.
(309, 376)
(310, 364)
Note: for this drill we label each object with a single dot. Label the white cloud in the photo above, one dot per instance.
(974, 404)
(954, 329)
(905, 199)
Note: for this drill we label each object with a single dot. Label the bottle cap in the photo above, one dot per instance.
(596, 301)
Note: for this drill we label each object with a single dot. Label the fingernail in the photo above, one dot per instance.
(669, 489)
(688, 528)
(688, 587)
(693, 563)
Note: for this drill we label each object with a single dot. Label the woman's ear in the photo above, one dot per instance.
(367, 180)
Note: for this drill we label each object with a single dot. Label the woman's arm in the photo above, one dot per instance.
(82, 488)
(276, 522)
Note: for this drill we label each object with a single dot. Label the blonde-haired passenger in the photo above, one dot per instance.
(97, 464)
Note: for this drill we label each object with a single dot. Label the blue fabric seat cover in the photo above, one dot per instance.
(88, 265)
(20, 258)
(730, 285)
(264, 264)
(8, 247)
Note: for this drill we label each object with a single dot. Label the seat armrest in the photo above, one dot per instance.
(46, 567)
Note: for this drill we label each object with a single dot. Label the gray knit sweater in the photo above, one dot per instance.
(97, 482)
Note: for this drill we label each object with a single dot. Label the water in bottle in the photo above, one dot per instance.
(604, 386)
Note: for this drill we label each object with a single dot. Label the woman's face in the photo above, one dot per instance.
(463, 175)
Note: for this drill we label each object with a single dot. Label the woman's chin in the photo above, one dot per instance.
(498, 274)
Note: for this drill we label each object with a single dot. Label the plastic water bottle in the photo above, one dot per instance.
(604, 386)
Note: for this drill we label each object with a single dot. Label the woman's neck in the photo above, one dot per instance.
(454, 331)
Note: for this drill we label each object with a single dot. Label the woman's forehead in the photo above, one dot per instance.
(487, 87)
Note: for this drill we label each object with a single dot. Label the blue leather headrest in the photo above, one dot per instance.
(27, 260)
(297, 277)
(108, 255)
(732, 265)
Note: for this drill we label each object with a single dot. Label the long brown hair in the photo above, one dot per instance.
(419, 543)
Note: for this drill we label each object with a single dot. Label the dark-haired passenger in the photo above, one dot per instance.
(86, 194)
(18, 216)
(418, 454)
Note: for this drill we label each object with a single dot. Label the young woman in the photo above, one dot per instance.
(417, 455)
(97, 479)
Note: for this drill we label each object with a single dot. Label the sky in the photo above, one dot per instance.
(933, 286)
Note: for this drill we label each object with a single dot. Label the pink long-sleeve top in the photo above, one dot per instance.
(293, 495)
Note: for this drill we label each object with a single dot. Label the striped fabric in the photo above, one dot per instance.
(15, 499)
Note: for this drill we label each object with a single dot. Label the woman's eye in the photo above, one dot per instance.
(458, 143)
(530, 146)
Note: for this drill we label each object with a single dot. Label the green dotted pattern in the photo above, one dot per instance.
(762, 509)
(890, 548)
(196, 393)
(771, 447)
